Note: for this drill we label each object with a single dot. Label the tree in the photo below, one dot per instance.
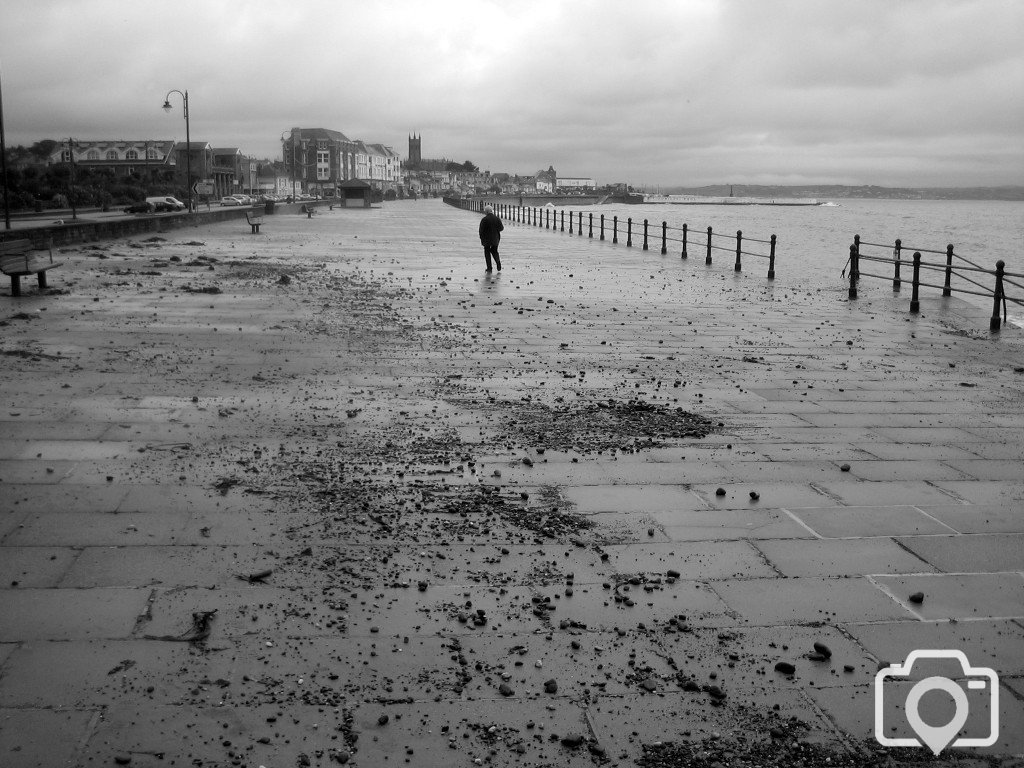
(469, 167)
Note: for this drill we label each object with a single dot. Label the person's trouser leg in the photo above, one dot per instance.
(487, 256)
(497, 259)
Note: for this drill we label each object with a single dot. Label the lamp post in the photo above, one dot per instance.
(71, 184)
(3, 164)
(292, 136)
(188, 143)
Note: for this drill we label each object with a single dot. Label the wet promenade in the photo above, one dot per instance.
(331, 494)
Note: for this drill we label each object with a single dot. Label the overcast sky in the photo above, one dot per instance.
(651, 92)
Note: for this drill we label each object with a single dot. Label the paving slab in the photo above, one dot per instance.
(767, 602)
(690, 559)
(55, 614)
(34, 567)
(30, 738)
(969, 553)
(882, 493)
(980, 518)
(853, 711)
(857, 522)
(721, 525)
(998, 644)
(840, 557)
(968, 596)
(632, 498)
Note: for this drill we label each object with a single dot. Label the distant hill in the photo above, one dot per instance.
(833, 191)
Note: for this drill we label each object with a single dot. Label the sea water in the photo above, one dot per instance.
(813, 242)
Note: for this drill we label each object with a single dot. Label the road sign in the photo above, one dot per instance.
(203, 188)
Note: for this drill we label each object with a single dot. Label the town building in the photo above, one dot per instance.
(148, 159)
(574, 184)
(319, 159)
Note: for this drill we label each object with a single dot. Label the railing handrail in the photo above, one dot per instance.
(554, 219)
(952, 268)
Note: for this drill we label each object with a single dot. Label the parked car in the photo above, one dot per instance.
(231, 200)
(143, 207)
(167, 203)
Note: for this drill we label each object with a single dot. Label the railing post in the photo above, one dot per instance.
(563, 219)
(615, 229)
(590, 224)
(683, 254)
(896, 282)
(645, 234)
(664, 238)
(570, 221)
(946, 289)
(547, 218)
(602, 226)
(915, 305)
(739, 245)
(853, 272)
(995, 322)
(855, 262)
(629, 232)
(771, 260)
(708, 259)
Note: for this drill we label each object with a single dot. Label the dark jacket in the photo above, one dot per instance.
(490, 229)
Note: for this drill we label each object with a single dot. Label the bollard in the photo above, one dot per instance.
(629, 233)
(590, 225)
(915, 305)
(683, 254)
(570, 221)
(547, 218)
(563, 220)
(896, 260)
(739, 244)
(708, 259)
(602, 226)
(615, 229)
(771, 260)
(995, 322)
(946, 289)
(853, 272)
(645, 234)
(664, 238)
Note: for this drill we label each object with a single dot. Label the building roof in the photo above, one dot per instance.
(320, 133)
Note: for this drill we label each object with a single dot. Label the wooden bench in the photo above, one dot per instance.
(309, 210)
(255, 218)
(20, 257)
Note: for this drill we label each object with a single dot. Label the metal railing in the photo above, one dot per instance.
(683, 238)
(955, 267)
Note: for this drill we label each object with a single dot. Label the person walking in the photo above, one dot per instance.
(490, 235)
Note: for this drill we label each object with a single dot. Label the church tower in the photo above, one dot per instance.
(415, 153)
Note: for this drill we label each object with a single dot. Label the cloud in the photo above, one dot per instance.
(914, 92)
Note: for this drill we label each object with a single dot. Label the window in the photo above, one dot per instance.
(131, 154)
(152, 154)
(65, 156)
(111, 154)
(92, 154)
(323, 165)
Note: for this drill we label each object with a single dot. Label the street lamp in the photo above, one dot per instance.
(292, 136)
(188, 143)
(3, 165)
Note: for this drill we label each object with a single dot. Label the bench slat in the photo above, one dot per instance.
(26, 265)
